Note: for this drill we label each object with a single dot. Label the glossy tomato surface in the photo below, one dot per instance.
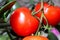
(35, 38)
(51, 13)
(22, 22)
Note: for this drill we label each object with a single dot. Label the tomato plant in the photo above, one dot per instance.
(51, 13)
(22, 22)
(35, 38)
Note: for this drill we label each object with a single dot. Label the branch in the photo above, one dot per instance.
(2, 25)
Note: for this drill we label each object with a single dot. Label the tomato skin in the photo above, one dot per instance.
(51, 13)
(22, 22)
(59, 13)
(35, 38)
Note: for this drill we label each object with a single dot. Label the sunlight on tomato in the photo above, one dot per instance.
(22, 22)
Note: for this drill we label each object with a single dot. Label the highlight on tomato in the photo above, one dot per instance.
(51, 13)
(22, 22)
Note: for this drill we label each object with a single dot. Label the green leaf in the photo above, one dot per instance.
(51, 36)
(6, 7)
(4, 37)
(5, 15)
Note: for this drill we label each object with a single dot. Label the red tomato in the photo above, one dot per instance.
(35, 38)
(51, 13)
(22, 22)
(59, 13)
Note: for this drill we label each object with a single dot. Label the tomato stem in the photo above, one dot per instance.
(40, 21)
(9, 34)
(41, 18)
(33, 12)
(37, 32)
(42, 6)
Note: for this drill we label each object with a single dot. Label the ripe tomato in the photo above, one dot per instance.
(35, 38)
(59, 13)
(22, 22)
(51, 13)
